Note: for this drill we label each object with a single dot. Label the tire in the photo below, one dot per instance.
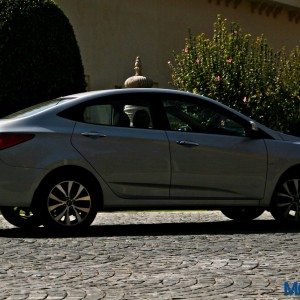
(20, 217)
(242, 214)
(68, 202)
(286, 200)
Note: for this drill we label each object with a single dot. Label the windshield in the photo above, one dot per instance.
(32, 110)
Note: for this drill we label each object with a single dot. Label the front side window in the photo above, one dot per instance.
(194, 117)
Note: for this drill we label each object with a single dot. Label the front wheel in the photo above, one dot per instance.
(68, 202)
(242, 214)
(286, 201)
(20, 217)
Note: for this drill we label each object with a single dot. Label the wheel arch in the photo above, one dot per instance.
(290, 171)
(293, 170)
(285, 197)
(71, 169)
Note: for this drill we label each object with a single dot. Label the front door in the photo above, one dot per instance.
(212, 156)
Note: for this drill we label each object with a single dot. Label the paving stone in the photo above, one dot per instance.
(151, 255)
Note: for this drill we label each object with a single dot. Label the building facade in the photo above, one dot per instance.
(111, 33)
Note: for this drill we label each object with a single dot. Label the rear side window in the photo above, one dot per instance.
(119, 114)
(122, 110)
(98, 114)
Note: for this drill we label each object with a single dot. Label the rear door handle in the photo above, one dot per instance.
(187, 143)
(93, 134)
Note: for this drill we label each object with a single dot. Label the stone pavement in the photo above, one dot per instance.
(155, 255)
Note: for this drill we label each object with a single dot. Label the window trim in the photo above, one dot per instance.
(151, 100)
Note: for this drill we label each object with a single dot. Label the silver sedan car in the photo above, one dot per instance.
(64, 160)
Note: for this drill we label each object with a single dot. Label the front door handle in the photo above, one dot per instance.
(93, 134)
(187, 143)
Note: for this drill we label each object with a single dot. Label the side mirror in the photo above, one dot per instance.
(253, 126)
(253, 131)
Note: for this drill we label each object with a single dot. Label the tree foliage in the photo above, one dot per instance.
(242, 72)
(39, 55)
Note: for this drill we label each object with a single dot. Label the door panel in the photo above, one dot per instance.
(134, 162)
(212, 155)
(214, 166)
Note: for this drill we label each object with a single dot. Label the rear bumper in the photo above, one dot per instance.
(18, 184)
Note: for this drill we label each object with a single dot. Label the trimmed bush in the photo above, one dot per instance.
(39, 55)
(244, 73)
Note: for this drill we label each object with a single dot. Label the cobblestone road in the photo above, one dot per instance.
(190, 255)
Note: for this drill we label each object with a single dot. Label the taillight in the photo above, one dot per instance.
(11, 139)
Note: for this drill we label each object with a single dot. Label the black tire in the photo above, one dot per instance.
(242, 214)
(286, 200)
(20, 217)
(68, 202)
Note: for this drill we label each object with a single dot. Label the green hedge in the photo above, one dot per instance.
(39, 55)
(244, 73)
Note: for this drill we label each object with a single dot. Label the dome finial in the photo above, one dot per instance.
(138, 80)
(138, 66)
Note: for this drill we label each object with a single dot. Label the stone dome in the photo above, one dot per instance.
(138, 81)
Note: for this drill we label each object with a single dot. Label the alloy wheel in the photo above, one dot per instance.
(69, 203)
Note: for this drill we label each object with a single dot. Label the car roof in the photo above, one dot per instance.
(94, 94)
(123, 91)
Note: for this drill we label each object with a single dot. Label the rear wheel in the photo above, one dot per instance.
(286, 200)
(20, 217)
(68, 202)
(242, 214)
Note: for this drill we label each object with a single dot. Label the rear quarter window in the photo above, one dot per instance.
(32, 110)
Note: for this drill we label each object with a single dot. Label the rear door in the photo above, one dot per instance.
(119, 137)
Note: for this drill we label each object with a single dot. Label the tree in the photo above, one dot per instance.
(244, 73)
(39, 55)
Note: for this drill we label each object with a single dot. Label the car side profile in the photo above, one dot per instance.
(64, 160)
